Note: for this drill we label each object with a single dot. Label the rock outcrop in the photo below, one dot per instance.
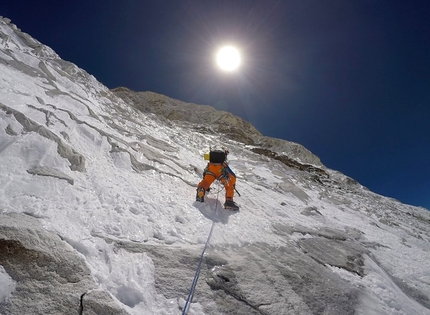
(50, 276)
(207, 119)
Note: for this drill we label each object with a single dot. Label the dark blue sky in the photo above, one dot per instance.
(349, 80)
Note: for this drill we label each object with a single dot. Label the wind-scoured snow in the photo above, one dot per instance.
(118, 185)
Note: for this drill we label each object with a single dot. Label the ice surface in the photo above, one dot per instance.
(118, 185)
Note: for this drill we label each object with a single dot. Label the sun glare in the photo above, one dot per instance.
(228, 58)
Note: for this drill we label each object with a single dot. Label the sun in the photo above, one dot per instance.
(228, 58)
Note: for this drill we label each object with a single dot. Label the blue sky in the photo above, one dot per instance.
(349, 80)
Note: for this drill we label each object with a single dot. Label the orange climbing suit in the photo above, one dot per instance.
(221, 172)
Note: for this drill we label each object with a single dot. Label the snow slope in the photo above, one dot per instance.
(118, 185)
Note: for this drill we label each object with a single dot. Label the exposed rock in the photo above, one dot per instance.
(258, 278)
(234, 127)
(342, 254)
(318, 174)
(50, 276)
(277, 258)
(99, 302)
(207, 119)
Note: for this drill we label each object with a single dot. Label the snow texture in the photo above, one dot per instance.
(7, 285)
(97, 211)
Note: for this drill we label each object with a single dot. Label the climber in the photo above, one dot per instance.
(218, 168)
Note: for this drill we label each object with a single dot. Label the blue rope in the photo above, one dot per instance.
(197, 274)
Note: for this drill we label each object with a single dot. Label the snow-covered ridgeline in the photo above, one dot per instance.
(117, 185)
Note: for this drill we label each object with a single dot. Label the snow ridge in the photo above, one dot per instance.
(112, 186)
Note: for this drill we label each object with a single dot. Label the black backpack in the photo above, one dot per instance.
(217, 156)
